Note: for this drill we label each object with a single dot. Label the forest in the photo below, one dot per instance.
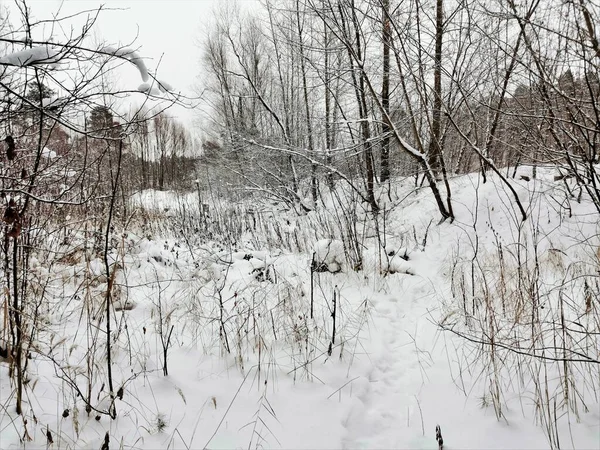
(380, 230)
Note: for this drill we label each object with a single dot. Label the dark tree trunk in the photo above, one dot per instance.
(435, 150)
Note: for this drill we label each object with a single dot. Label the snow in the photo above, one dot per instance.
(391, 375)
(146, 88)
(330, 253)
(47, 153)
(54, 102)
(160, 88)
(131, 55)
(50, 54)
(42, 54)
(164, 86)
(48, 101)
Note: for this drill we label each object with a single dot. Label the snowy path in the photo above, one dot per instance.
(388, 414)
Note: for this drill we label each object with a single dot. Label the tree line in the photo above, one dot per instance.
(366, 90)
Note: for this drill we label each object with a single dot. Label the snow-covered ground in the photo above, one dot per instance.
(254, 358)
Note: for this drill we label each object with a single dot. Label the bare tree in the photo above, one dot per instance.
(56, 163)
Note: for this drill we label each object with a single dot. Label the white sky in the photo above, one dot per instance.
(167, 32)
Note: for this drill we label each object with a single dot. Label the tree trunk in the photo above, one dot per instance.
(328, 124)
(435, 151)
(309, 131)
(385, 94)
(359, 87)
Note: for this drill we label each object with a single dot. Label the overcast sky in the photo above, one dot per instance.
(167, 32)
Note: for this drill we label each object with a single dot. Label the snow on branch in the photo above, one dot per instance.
(50, 54)
(154, 87)
(131, 55)
(41, 54)
(161, 87)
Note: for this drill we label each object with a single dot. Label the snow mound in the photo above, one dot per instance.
(399, 260)
(328, 256)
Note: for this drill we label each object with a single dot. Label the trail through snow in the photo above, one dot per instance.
(389, 413)
(417, 377)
